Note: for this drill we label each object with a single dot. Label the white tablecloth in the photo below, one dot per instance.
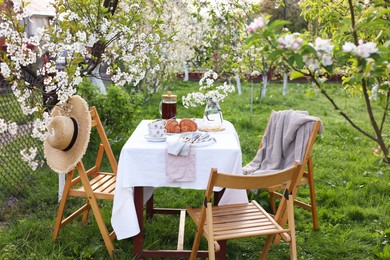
(142, 163)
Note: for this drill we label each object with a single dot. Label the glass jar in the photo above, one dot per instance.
(168, 106)
(212, 116)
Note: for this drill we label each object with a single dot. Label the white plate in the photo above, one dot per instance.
(180, 133)
(201, 144)
(154, 139)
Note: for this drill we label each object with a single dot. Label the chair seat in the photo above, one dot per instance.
(238, 221)
(103, 187)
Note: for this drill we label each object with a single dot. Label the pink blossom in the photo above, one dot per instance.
(258, 23)
(290, 41)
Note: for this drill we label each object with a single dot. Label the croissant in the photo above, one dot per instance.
(188, 125)
(172, 126)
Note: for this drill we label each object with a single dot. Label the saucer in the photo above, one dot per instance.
(155, 139)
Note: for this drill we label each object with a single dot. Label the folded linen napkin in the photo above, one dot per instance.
(182, 145)
(181, 168)
(180, 158)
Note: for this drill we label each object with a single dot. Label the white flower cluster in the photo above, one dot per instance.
(11, 127)
(363, 50)
(324, 52)
(4, 70)
(290, 42)
(3, 126)
(207, 91)
(28, 155)
(40, 127)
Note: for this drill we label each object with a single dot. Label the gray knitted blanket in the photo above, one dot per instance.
(284, 142)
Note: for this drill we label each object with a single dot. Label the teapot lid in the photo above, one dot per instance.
(169, 95)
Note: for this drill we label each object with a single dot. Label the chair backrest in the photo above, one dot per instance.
(225, 180)
(104, 145)
(307, 155)
(309, 146)
(310, 142)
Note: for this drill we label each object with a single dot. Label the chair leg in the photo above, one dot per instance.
(195, 245)
(86, 212)
(291, 226)
(313, 201)
(61, 208)
(266, 247)
(102, 226)
(272, 202)
(95, 209)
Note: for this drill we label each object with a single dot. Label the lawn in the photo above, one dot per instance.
(352, 188)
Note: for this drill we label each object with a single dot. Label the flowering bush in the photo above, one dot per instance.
(208, 91)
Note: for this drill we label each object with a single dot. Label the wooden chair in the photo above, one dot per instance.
(307, 179)
(95, 184)
(219, 223)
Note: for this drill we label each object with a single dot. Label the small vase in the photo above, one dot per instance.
(212, 116)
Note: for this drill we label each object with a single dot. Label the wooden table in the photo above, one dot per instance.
(142, 167)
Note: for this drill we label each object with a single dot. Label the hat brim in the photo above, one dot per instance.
(65, 161)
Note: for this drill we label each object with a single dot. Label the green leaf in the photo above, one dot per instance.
(291, 60)
(329, 69)
(278, 23)
(308, 49)
(296, 75)
(299, 60)
(274, 54)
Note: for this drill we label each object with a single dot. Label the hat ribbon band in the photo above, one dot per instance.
(74, 137)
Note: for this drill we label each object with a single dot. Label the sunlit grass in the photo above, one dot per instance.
(352, 190)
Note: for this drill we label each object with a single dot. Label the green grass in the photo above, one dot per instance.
(352, 191)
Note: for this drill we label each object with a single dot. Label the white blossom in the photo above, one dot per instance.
(3, 126)
(28, 155)
(12, 128)
(349, 47)
(364, 50)
(4, 69)
(323, 46)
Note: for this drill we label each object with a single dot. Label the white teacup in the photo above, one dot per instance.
(157, 129)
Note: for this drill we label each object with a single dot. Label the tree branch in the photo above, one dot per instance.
(343, 114)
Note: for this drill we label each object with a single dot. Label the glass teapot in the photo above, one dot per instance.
(168, 106)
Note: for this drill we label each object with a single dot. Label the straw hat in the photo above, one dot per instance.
(71, 128)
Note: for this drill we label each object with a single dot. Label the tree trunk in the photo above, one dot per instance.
(265, 83)
(238, 81)
(285, 83)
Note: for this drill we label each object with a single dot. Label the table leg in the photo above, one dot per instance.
(138, 201)
(150, 207)
(221, 255)
(139, 252)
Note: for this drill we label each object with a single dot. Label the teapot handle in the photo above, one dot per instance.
(160, 107)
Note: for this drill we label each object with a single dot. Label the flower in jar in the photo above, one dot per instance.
(207, 91)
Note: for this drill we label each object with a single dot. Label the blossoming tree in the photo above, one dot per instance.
(138, 41)
(358, 49)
